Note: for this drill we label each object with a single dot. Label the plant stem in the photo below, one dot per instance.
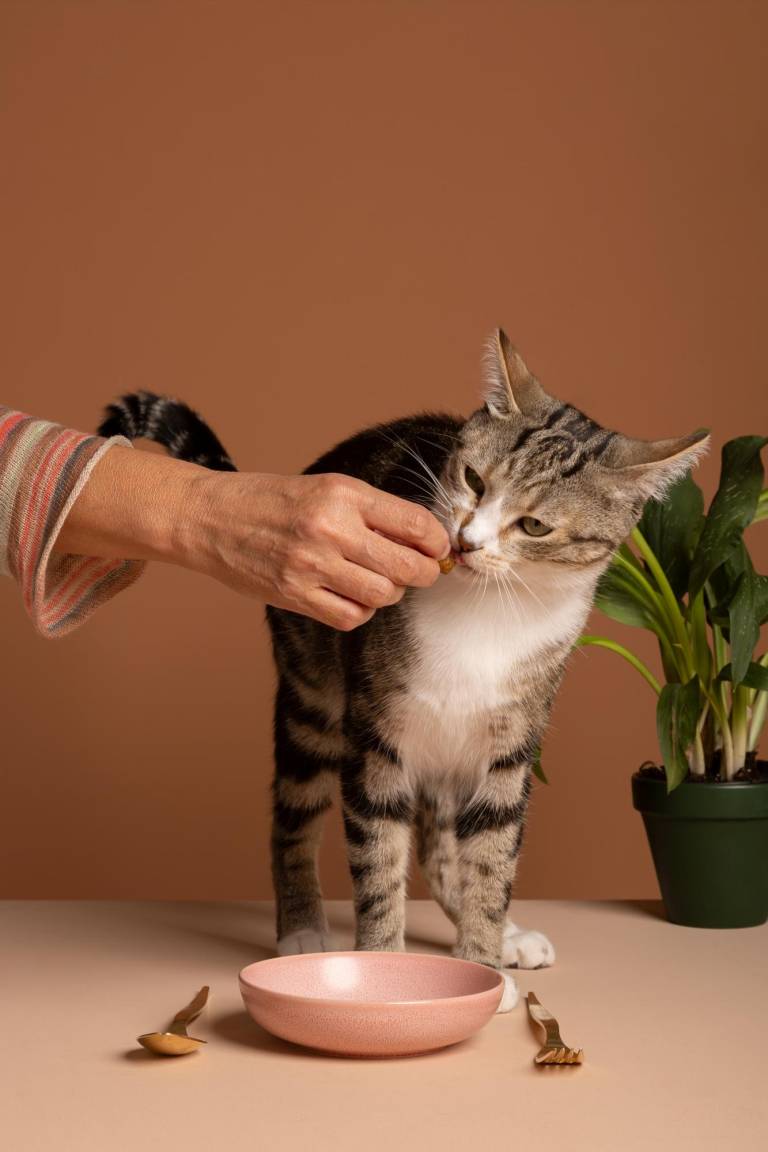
(640, 586)
(719, 703)
(637, 585)
(721, 655)
(698, 761)
(626, 552)
(718, 692)
(725, 732)
(644, 589)
(739, 726)
(759, 712)
(669, 599)
(620, 650)
(761, 512)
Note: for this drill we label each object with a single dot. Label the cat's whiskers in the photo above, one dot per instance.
(526, 616)
(492, 566)
(515, 599)
(529, 590)
(503, 596)
(448, 435)
(428, 488)
(485, 586)
(419, 460)
(498, 574)
(478, 593)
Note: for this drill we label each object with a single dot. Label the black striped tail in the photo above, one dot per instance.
(171, 423)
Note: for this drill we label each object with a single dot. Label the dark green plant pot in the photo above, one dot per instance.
(709, 844)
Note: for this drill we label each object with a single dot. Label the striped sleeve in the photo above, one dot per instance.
(43, 469)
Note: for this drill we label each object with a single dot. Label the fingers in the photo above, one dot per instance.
(355, 582)
(408, 522)
(399, 565)
(324, 605)
(326, 586)
(349, 549)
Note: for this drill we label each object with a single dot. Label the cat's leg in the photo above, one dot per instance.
(307, 757)
(489, 830)
(299, 807)
(378, 813)
(523, 947)
(438, 852)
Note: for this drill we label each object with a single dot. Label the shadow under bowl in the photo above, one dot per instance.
(371, 1003)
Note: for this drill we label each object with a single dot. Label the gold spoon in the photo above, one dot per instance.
(176, 1042)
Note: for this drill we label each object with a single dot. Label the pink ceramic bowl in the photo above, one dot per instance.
(371, 1003)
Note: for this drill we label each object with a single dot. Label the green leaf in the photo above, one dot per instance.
(671, 672)
(620, 650)
(756, 676)
(702, 653)
(761, 512)
(665, 730)
(732, 509)
(676, 717)
(617, 599)
(761, 599)
(537, 769)
(743, 617)
(742, 605)
(672, 528)
(719, 614)
(687, 714)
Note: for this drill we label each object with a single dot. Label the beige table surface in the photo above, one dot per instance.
(674, 1023)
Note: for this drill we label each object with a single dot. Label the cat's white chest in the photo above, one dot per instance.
(469, 644)
(466, 651)
(470, 641)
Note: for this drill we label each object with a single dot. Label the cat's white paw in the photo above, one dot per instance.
(523, 949)
(510, 995)
(305, 940)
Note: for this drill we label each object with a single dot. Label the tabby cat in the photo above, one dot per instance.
(430, 714)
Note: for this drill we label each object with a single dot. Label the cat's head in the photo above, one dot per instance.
(533, 479)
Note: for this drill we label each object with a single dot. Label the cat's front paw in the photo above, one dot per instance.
(526, 949)
(305, 940)
(510, 995)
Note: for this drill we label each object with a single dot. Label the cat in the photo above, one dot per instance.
(430, 715)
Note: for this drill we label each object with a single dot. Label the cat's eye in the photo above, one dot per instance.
(474, 481)
(533, 527)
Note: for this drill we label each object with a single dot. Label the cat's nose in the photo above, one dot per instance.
(465, 545)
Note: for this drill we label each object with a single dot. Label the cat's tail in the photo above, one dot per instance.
(171, 423)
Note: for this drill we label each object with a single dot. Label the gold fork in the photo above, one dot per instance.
(554, 1050)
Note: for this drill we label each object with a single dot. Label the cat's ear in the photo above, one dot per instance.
(510, 389)
(650, 467)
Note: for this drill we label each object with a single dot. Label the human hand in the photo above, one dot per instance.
(328, 546)
(324, 545)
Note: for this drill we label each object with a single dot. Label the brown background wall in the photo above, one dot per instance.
(303, 218)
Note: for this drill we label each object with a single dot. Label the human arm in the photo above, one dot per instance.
(43, 469)
(327, 546)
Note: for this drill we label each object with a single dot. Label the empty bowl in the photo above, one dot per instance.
(371, 1003)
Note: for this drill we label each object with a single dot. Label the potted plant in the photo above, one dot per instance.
(689, 578)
